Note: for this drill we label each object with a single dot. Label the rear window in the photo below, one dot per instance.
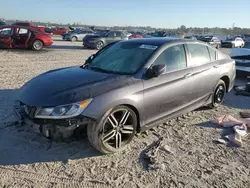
(199, 54)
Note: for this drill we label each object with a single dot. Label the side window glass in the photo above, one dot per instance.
(111, 34)
(212, 54)
(198, 54)
(5, 31)
(173, 57)
(22, 31)
(118, 34)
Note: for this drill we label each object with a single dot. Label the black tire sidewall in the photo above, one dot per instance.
(94, 131)
(214, 104)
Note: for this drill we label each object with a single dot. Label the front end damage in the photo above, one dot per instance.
(55, 129)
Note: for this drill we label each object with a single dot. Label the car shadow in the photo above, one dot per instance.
(21, 145)
(67, 47)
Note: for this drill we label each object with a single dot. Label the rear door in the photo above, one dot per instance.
(21, 37)
(206, 69)
(6, 37)
(172, 91)
(110, 37)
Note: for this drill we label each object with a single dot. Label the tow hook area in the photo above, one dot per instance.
(57, 132)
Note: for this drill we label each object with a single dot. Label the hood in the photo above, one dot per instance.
(69, 85)
(237, 52)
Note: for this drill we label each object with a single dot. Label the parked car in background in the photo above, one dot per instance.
(126, 88)
(159, 34)
(234, 42)
(137, 35)
(190, 37)
(242, 59)
(245, 37)
(13, 36)
(2, 22)
(59, 31)
(99, 41)
(77, 35)
(213, 41)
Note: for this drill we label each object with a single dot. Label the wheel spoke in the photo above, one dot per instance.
(127, 129)
(112, 121)
(125, 117)
(118, 140)
(109, 136)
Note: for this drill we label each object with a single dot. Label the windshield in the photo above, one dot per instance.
(101, 33)
(123, 58)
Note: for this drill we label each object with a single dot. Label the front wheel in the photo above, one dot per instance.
(114, 131)
(218, 95)
(37, 45)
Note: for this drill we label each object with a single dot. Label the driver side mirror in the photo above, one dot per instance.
(157, 70)
(90, 58)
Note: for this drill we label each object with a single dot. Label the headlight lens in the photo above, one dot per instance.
(63, 111)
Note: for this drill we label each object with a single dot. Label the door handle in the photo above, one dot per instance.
(216, 66)
(188, 75)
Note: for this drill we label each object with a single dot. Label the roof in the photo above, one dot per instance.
(156, 40)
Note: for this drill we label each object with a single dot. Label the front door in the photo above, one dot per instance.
(6, 37)
(172, 91)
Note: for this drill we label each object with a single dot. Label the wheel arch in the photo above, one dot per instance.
(227, 81)
(137, 114)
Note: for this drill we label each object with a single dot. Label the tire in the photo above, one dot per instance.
(218, 95)
(73, 39)
(109, 134)
(99, 45)
(37, 45)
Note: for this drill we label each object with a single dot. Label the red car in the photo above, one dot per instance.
(59, 31)
(13, 36)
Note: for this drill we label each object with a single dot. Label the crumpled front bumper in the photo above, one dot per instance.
(50, 128)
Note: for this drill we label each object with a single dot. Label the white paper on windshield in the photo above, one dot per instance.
(149, 47)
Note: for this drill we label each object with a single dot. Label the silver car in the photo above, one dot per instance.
(77, 35)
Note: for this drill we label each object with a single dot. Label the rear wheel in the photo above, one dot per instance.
(99, 45)
(218, 95)
(37, 45)
(114, 131)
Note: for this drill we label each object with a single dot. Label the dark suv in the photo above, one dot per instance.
(99, 41)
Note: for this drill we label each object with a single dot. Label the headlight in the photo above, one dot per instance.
(63, 111)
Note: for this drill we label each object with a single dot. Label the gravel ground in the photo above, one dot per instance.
(193, 159)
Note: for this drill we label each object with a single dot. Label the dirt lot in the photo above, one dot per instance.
(28, 159)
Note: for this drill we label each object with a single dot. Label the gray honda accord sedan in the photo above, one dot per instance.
(125, 88)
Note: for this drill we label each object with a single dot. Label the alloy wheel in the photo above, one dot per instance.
(99, 45)
(118, 129)
(37, 45)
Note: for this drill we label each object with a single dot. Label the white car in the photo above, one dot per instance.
(236, 42)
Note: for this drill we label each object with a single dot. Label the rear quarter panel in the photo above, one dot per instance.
(227, 68)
